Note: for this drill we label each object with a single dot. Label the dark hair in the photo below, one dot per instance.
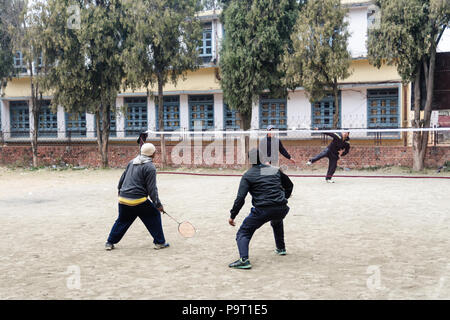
(142, 138)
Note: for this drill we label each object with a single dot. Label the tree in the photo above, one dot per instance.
(257, 31)
(84, 45)
(162, 47)
(407, 36)
(319, 58)
(25, 29)
(7, 70)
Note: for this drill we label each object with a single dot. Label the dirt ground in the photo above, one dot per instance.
(359, 238)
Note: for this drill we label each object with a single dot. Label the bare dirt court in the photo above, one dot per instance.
(356, 239)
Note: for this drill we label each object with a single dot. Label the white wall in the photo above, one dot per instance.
(61, 120)
(218, 111)
(4, 105)
(298, 110)
(184, 112)
(354, 109)
(151, 113)
(357, 18)
(90, 125)
(255, 116)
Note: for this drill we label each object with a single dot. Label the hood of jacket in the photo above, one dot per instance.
(141, 159)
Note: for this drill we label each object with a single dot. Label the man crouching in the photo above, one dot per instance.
(270, 188)
(135, 185)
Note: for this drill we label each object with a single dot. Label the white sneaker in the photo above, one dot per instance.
(329, 181)
(309, 163)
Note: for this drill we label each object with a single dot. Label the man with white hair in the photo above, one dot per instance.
(135, 185)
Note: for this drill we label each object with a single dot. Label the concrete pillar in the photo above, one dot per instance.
(184, 112)
(61, 119)
(90, 125)
(120, 117)
(4, 109)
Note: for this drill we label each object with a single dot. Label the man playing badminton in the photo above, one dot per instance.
(270, 188)
(339, 147)
(135, 185)
(269, 146)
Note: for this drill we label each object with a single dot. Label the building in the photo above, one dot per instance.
(369, 98)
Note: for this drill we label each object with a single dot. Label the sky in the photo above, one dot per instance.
(444, 44)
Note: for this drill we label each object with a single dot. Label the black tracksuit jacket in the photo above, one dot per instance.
(268, 186)
(338, 144)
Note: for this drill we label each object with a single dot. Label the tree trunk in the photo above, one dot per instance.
(102, 117)
(417, 164)
(336, 105)
(35, 110)
(421, 140)
(161, 121)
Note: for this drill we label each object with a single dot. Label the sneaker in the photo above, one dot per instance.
(159, 246)
(309, 163)
(241, 264)
(330, 181)
(280, 252)
(109, 246)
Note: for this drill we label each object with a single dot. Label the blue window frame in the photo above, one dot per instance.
(19, 118)
(205, 50)
(323, 111)
(75, 124)
(383, 108)
(112, 125)
(201, 112)
(48, 121)
(171, 113)
(231, 118)
(272, 112)
(136, 119)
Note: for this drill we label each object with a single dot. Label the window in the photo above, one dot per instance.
(272, 112)
(383, 108)
(206, 43)
(373, 16)
(136, 119)
(18, 62)
(231, 118)
(171, 114)
(76, 125)
(19, 118)
(48, 122)
(112, 124)
(201, 112)
(323, 111)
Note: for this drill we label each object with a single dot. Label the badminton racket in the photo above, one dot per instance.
(185, 228)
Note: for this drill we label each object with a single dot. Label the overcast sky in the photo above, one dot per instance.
(444, 44)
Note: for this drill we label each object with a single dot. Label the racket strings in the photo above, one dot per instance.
(186, 229)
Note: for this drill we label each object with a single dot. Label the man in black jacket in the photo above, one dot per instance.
(270, 188)
(269, 147)
(339, 147)
(137, 183)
